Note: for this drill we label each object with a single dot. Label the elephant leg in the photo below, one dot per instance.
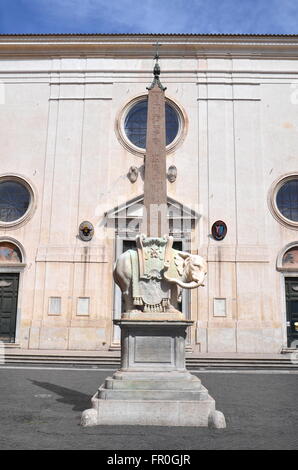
(122, 277)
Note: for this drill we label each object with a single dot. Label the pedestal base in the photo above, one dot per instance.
(153, 387)
(153, 413)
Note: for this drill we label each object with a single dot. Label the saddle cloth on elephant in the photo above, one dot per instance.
(149, 287)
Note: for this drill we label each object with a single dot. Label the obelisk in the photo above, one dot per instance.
(155, 185)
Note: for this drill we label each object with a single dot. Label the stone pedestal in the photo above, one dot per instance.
(153, 387)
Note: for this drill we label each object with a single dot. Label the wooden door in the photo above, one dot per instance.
(292, 309)
(9, 286)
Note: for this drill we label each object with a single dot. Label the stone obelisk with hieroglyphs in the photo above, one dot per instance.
(155, 185)
(153, 387)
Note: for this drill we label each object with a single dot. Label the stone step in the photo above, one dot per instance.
(240, 358)
(282, 362)
(100, 361)
(241, 364)
(197, 366)
(73, 363)
(190, 360)
(149, 384)
(62, 359)
(185, 395)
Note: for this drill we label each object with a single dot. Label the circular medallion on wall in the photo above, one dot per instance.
(86, 231)
(219, 230)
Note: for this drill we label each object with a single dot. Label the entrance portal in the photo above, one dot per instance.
(11, 265)
(292, 310)
(9, 287)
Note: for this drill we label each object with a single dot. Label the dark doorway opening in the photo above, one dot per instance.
(292, 310)
(9, 288)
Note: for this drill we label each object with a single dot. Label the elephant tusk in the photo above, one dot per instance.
(188, 285)
(184, 285)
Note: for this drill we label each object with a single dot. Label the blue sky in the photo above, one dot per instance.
(149, 16)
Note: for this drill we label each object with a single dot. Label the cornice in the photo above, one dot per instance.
(133, 36)
(135, 45)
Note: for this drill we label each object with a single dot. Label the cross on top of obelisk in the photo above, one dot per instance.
(156, 71)
(155, 222)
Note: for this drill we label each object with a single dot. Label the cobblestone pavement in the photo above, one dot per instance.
(40, 409)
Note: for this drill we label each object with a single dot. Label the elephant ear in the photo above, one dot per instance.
(179, 263)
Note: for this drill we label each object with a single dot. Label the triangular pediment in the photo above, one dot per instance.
(133, 209)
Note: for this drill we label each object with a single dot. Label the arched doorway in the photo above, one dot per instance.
(288, 264)
(11, 264)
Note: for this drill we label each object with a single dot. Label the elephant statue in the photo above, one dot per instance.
(151, 276)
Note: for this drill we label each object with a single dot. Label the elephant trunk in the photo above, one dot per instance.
(193, 276)
(186, 285)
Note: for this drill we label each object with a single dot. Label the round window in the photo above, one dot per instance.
(135, 123)
(287, 199)
(15, 200)
(131, 125)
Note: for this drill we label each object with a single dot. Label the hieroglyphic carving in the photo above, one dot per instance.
(155, 188)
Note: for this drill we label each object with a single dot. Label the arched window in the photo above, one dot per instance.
(9, 253)
(290, 259)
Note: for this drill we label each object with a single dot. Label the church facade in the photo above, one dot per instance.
(73, 112)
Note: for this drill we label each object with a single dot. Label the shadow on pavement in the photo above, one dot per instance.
(80, 401)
